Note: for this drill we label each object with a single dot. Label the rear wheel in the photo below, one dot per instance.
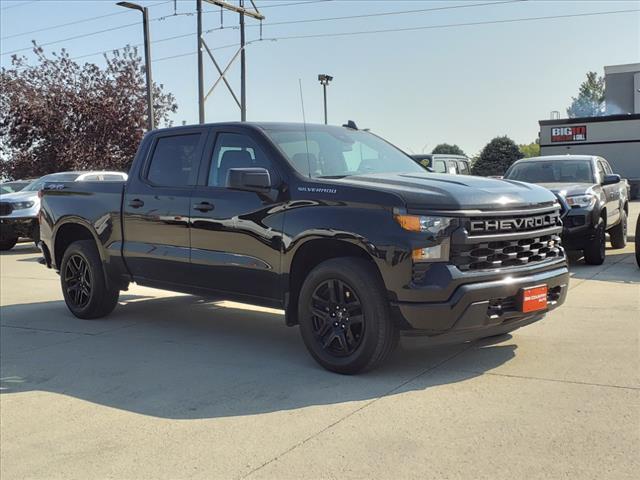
(8, 243)
(594, 253)
(619, 232)
(344, 316)
(85, 290)
(637, 241)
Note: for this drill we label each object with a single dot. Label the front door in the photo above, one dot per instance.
(612, 194)
(156, 209)
(236, 235)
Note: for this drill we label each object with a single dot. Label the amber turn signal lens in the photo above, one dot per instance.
(409, 222)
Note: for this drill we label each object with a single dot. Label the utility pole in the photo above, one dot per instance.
(202, 47)
(324, 80)
(243, 70)
(200, 65)
(147, 58)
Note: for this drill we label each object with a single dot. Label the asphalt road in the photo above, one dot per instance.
(172, 386)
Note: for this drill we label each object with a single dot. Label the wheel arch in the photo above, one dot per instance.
(69, 231)
(309, 255)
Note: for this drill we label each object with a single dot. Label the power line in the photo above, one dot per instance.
(75, 22)
(18, 5)
(450, 25)
(365, 32)
(385, 14)
(99, 17)
(288, 22)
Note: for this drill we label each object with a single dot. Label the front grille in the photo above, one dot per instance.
(506, 253)
(5, 208)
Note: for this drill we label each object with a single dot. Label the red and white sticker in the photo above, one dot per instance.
(533, 298)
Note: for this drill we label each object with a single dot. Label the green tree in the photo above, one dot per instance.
(445, 148)
(60, 115)
(590, 99)
(496, 157)
(530, 149)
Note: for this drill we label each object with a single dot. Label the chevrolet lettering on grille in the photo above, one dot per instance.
(525, 223)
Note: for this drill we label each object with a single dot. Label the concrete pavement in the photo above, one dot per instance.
(172, 386)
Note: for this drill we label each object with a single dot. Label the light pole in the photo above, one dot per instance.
(147, 58)
(324, 80)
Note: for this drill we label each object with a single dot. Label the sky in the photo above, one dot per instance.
(439, 80)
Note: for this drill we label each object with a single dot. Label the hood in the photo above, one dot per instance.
(19, 196)
(456, 192)
(567, 189)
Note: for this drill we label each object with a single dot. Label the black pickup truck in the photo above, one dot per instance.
(346, 233)
(596, 199)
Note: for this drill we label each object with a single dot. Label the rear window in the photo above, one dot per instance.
(174, 160)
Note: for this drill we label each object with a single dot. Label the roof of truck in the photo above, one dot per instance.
(558, 157)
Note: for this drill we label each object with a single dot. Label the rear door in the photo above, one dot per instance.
(156, 208)
(236, 235)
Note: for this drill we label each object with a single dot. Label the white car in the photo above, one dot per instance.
(19, 210)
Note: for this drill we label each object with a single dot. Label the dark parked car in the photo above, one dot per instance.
(597, 201)
(334, 225)
(441, 163)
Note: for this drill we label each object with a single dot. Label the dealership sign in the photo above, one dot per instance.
(569, 134)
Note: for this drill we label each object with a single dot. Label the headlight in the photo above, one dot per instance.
(439, 230)
(22, 205)
(582, 201)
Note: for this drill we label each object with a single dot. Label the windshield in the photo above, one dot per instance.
(12, 187)
(339, 152)
(549, 171)
(54, 177)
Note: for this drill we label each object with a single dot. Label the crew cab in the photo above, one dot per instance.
(342, 230)
(596, 198)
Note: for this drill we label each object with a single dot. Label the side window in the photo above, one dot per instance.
(174, 160)
(452, 167)
(234, 150)
(607, 167)
(463, 167)
(439, 166)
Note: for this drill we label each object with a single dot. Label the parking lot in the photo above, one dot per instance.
(173, 386)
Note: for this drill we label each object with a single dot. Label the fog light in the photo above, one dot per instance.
(437, 253)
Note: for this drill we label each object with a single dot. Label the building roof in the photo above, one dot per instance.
(604, 118)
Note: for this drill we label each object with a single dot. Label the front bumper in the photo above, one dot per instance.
(482, 309)
(17, 227)
(578, 229)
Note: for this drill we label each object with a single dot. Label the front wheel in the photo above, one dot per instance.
(344, 316)
(85, 290)
(619, 232)
(594, 253)
(8, 243)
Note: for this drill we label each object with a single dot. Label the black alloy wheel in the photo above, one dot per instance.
(338, 321)
(77, 279)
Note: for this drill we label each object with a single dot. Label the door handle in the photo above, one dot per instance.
(203, 207)
(136, 203)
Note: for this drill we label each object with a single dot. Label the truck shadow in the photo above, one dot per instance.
(619, 267)
(184, 358)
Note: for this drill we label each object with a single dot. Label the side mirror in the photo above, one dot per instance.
(611, 179)
(251, 179)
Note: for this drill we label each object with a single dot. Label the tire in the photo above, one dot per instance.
(8, 243)
(35, 235)
(358, 294)
(618, 233)
(637, 241)
(85, 290)
(594, 253)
